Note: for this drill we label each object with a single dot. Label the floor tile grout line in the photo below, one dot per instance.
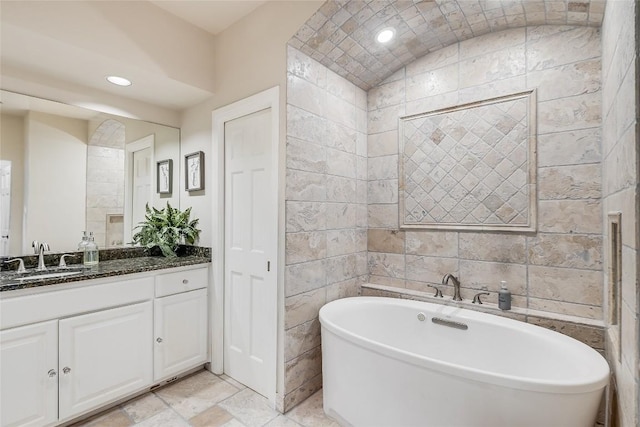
(316, 419)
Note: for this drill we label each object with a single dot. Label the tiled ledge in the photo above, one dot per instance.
(588, 331)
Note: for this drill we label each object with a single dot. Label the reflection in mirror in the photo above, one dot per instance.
(73, 169)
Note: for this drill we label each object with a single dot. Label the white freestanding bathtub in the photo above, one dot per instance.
(392, 363)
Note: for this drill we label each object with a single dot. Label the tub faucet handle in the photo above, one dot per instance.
(438, 293)
(476, 297)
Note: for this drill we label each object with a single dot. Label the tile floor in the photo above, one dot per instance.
(204, 399)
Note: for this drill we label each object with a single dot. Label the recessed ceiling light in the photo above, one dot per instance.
(120, 81)
(385, 35)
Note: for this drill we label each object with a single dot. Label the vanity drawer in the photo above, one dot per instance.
(181, 281)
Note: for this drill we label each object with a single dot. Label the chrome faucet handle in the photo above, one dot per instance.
(21, 268)
(476, 297)
(438, 293)
(63, 263)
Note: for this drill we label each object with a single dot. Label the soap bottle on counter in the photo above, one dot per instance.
(83, 242)
(504, 297)
(91, 256)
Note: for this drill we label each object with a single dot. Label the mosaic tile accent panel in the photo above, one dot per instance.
(340, 35)
(471, 166)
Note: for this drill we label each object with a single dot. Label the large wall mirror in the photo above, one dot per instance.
(66, 169)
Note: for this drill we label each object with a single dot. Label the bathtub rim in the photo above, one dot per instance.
(597, 381)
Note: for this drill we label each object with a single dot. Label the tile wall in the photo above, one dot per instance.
(326, 210)
(105, 182)
(558, 268)
(621, 139)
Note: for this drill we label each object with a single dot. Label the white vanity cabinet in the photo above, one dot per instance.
(72, 349)
(28, 375)
(103, 356)
(180, 322)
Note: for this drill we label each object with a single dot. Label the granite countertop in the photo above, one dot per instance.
(112, 266)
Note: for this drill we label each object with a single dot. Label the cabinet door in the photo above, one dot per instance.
(28, 369)
(180, 332)
(104, 355)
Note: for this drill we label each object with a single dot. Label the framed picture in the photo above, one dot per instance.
(194, 171)
(164, 176)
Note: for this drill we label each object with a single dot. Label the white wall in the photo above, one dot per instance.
(55, 164)
(12, 148)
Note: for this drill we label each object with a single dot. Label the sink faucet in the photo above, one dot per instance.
(456, 285)
(21, 268)
(39, 249)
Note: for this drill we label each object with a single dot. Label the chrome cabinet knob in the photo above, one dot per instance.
(159, 340)
(66, 370)
(185, 281)
(52, 373)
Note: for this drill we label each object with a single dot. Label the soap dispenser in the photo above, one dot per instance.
(83, 242)
(504, 297)
(91, 251)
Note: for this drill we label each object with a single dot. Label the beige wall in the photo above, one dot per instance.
(326, 216)
(12, 148)
(557, 269)
(55, 164)
(250, 56)
(621, 166)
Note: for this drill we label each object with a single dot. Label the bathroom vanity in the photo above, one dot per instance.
(72, 345)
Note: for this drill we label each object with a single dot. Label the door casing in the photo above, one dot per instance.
(269, 98)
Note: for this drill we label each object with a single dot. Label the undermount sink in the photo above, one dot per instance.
(52, 275)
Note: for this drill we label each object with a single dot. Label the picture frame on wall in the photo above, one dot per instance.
(164, 176)
(194, 171)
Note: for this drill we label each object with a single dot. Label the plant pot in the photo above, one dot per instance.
(154, 251)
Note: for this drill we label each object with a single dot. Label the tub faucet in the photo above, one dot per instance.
(39, 249)
(456, 285)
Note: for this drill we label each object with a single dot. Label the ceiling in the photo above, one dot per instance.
(61, 42)
(340, 35)
(156, 44)
(211, 16)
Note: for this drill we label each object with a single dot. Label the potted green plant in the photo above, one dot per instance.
(166, 229)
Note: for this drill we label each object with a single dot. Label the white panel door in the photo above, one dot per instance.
(28, 375)
(142, 175)
(139, 178)
(250, 287)
(104, 355)
(180, 326)
(5, 205)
